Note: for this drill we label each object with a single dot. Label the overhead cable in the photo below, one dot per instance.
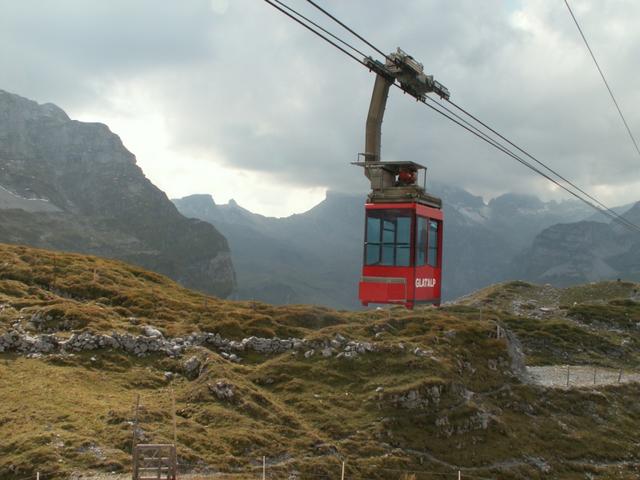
(297, 20)
(346, 27)
(606, 84)
(332, 35)
(460, 121)
(554, 172)
(483, 136)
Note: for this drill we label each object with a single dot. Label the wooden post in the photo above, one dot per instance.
(568, 368)
(264, 468)
(174, 462)
(173, 414)
(135, 424)
(342, 475)
(594, 375)
(135, 463)
(620, 376)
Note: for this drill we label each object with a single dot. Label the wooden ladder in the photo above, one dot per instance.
(154, 462)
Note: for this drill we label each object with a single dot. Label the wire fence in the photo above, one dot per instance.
(569, 376)
(266, 469)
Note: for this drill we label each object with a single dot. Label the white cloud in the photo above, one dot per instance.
(220, 6)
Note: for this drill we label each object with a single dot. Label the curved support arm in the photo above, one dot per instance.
(374, 118)
(373, 135)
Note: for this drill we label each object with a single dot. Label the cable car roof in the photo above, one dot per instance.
(392, 166)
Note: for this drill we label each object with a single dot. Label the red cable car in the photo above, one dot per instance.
(402, 262)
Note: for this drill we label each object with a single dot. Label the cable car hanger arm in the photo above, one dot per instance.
(400, 67)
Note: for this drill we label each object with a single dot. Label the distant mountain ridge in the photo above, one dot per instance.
(586, 251)
(73, 186)
(304, 258)
(315, 257)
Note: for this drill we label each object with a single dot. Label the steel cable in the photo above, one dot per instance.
(346, 27)
(519, 159)
(334, 36)
(463, 123)
(606, 84)
(612, 212)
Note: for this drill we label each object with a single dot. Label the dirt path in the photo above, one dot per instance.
(579, 376)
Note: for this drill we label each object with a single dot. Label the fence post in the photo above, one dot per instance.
(459, 475)
(175, 421)
(37, 475)
(135, 424)
(264, 467)
(620, 376)
(135, 463)
(342, 475)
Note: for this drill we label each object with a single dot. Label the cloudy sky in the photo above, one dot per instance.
(229, 97)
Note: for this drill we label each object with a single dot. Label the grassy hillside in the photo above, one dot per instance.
(593, 324)
(434, 391)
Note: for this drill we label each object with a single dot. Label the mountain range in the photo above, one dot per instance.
(315, 257)
(73, 186)
(586, 251)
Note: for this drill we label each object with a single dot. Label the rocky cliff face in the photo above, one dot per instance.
(73, 186)
(566, 254)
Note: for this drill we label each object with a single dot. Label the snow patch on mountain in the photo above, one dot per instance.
(11, 200)
(474, 214)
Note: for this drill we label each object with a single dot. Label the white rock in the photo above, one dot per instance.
(153, 332)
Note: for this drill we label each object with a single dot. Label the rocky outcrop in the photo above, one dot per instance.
(73, 186)
(418, 398)
(152, 341)
(573, 253)
(223, 390)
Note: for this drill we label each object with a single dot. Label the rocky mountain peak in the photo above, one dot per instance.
(199, 201)
(515, 201)
(102, 203)
(633, 214)
(20, 108)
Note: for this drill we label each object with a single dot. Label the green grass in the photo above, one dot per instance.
(64, 414)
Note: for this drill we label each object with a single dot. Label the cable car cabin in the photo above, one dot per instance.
(402, 261)
(403, 232)
(402, 254)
